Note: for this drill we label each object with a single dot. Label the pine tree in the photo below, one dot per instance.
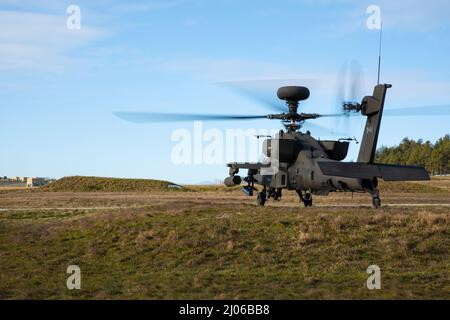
(434, 157)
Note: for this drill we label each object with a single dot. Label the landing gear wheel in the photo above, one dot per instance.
(307, 200)
(261, 199)
(376, 202)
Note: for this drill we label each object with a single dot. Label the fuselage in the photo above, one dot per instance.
(294, 160)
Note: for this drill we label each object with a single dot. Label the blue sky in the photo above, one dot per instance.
(60, 87)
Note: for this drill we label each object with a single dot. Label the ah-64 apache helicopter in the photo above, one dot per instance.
(297, 161)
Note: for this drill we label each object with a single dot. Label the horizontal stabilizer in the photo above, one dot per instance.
(387, 172)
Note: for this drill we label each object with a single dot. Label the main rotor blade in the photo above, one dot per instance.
(265, 91)
(332, 115)
(318, 130)
(150, 117)
(440, 110)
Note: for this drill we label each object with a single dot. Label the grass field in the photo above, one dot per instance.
(212, 243)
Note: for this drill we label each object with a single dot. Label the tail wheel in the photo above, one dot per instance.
(376, 202)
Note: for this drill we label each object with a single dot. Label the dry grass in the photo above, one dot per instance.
(217, 245)
(435, 185)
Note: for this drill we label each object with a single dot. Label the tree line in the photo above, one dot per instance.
(434, 156)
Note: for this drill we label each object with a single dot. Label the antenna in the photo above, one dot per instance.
(379, 54)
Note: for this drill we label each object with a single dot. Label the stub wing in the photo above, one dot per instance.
(248, 165)
(387, 172)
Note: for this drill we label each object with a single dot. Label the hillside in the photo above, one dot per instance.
(99, 184)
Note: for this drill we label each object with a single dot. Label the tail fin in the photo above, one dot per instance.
(372, 107)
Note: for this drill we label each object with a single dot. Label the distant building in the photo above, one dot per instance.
(36, 182)
(18, 179)
(24, 181)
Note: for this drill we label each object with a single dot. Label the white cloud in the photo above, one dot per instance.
(190, 22)
(220, 69)
(38, 40)
(350, 16)
(33, 34)
(33, 5)
(415, 15)
(143, 6)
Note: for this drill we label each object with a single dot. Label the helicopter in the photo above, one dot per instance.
(309, 166)
(295, 160)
